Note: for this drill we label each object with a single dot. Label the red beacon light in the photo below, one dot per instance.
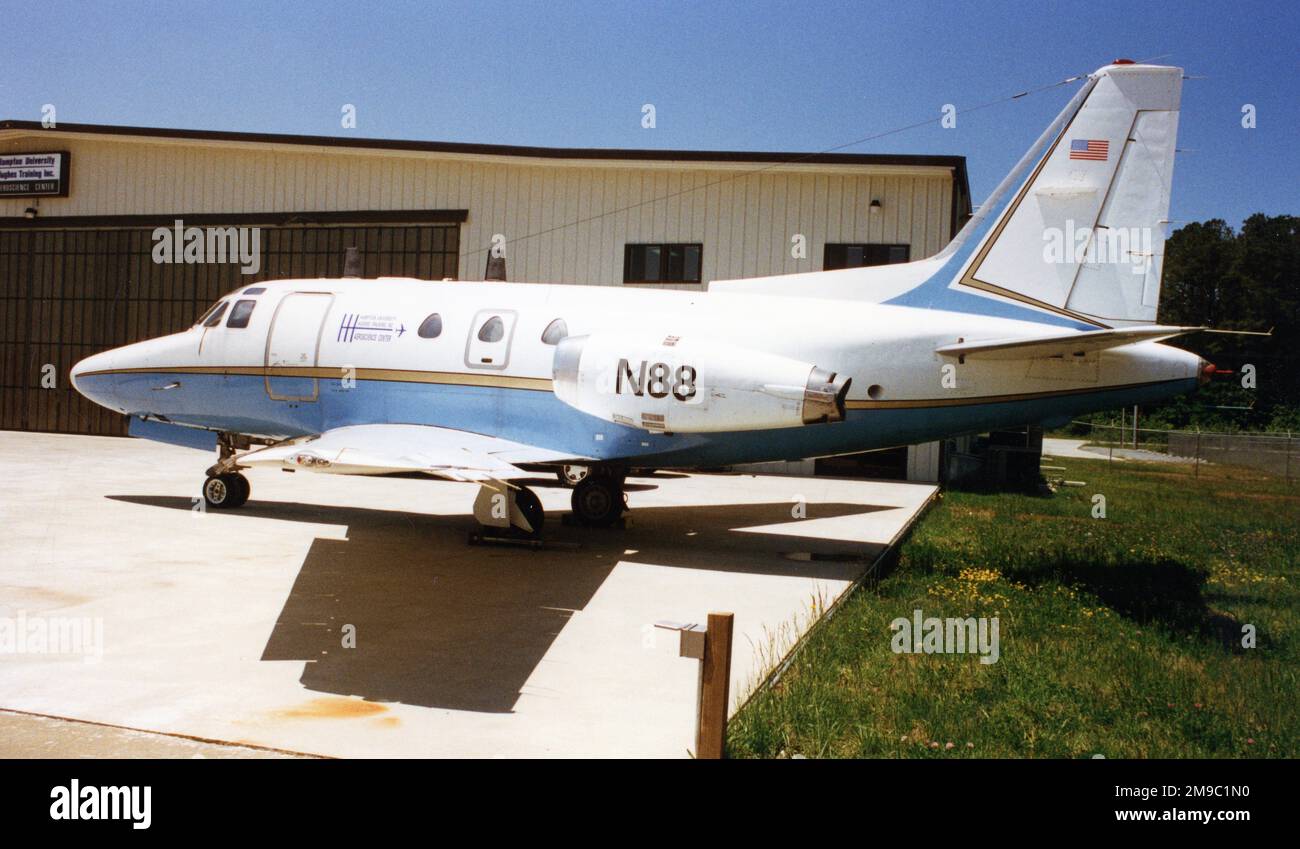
(1123, 62)
(1209, 371)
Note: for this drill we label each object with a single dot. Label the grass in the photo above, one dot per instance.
(1119, 636)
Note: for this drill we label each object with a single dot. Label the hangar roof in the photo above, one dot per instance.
(957, 164)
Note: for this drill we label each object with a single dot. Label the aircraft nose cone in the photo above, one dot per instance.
(90, 365)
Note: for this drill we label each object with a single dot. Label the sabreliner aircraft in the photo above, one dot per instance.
(486, 382)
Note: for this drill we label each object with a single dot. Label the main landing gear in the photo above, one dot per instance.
(598, 499)
(572, 475)
(514, 515)
(509, 513)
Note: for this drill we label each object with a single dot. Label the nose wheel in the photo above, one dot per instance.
(226, 491)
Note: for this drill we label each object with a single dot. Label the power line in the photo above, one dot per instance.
(784, 163)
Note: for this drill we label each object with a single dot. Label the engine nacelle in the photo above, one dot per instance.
(679, 385)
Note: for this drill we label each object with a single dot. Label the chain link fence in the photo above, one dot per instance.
(1193, 451)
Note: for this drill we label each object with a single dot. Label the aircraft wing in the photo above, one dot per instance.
(378, 449)
(1061, 344)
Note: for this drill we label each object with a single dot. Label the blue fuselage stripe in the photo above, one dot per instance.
(239, 403)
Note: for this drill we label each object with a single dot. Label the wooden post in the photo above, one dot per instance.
(715, 687)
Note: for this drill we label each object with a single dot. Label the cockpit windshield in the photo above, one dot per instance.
(203, 319)
(213, 317)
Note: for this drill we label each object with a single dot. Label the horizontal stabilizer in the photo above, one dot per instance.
(1072, 344)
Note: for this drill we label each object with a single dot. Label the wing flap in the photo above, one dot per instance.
(1061, 344)
(377, 449)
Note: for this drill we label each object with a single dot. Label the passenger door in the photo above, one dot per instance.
(293, 346)
(490, 336)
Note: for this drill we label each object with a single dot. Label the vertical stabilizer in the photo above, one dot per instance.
(1084, 235)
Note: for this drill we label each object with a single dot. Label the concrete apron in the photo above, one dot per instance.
(231, 626)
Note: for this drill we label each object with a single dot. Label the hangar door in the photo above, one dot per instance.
(66, 293)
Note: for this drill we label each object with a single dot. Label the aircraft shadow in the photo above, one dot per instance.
(443, 624)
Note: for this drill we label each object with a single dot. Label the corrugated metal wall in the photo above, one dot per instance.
(745, 214)
(69, 293)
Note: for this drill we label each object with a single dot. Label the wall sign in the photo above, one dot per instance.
(27, 175)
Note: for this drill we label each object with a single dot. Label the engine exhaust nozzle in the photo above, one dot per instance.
(823, 396)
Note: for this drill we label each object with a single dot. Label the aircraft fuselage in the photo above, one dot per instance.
(321, 354)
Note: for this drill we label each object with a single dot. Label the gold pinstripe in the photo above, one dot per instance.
(541, 384)
(994, 399)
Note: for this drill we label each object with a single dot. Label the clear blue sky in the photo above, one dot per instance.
(788, 76)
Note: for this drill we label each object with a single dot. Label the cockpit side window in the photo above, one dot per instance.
(554, 332)
(212, 317)
(241, 313)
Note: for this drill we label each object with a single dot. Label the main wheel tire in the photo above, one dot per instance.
(598, 500)
(531, 506)
(572, 475)
(243, 489)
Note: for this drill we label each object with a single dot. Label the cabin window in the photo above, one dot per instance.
(241, 313)
(668, 263)
(431, 327)
(554, 332)
(213, 316)
(253, 290)
(859, 255)
(493, 330)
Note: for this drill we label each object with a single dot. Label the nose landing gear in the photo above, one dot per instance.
(226, 488)
(226, 491)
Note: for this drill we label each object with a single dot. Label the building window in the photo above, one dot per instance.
(858, 255)
(240, 313)
(678, 263)
(431, 327)
(554, 332)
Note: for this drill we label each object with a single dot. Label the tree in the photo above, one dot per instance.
(1239, 281)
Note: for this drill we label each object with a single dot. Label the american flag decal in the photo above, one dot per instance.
(1095, 149)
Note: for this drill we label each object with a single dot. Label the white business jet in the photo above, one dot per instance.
(487, 382)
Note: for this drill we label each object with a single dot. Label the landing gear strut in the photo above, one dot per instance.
(599, 500)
